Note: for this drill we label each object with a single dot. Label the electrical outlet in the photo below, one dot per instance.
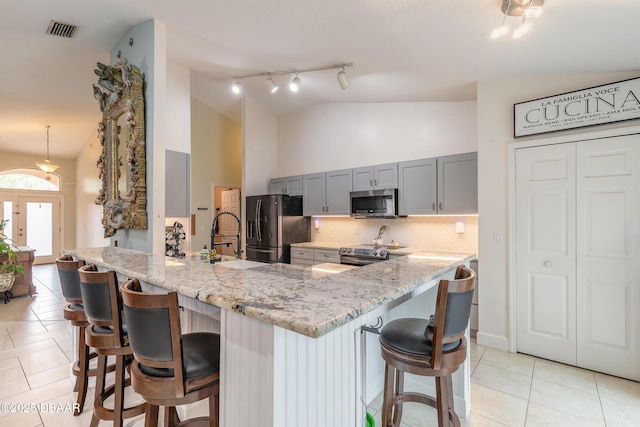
(202, 228)
(356, 230)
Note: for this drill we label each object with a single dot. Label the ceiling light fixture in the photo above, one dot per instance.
(272, 85)
(295, 84)
(236, 87)
(47, 166)
(343, 79)
(524, 8)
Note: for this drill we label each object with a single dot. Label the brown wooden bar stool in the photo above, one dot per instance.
(170, 368)
(107, 334)
(429, 347)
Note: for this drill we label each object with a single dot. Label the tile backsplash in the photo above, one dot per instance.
(430, 233)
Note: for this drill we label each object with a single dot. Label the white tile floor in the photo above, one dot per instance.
(506, 389)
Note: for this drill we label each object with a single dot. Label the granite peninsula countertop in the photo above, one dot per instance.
(297, 298)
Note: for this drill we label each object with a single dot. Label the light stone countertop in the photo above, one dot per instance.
(297, 298)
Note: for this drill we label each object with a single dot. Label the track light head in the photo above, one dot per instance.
(273, 87)
(236, 87)
(294, 86)
(343, 79)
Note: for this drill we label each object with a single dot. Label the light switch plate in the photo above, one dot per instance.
(497, 237)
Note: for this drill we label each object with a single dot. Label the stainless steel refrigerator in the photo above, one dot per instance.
(274, 222)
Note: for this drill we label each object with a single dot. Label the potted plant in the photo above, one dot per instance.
(9, 267)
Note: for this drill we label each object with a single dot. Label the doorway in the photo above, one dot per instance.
(227, 199)
(34, 221)
(577, 247)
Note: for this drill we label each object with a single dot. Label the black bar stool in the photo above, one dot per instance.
(430, 347)
(169, 368)
(74, 312)
(107, 334)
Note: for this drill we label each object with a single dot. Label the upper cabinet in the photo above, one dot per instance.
(176, 181)
(444, 185)
(327, 193)
(458, 184)
(378, 177)
(291, 185)
(417, 187)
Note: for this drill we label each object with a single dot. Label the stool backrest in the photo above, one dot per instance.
(101, 300)
(69, 278)
(453, 309)
(153, 322)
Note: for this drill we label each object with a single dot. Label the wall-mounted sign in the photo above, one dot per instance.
(614, 102)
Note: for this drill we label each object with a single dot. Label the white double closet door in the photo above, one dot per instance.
(578, 254)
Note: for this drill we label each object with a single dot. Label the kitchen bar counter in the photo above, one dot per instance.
(293, 351)
(292, 297)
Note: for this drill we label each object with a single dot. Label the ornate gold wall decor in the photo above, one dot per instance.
(122, 164)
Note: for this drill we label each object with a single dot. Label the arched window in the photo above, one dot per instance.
(29, 179)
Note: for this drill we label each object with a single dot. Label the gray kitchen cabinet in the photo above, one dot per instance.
(417, 187)
(377, 177)
(320, 256)
(291, 185)
(301, 256)
(176, 181)
(326, 193)
(458, 184)
(313, 194)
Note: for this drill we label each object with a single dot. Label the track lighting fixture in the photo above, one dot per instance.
(295, 84)
(524, 8)
(272, 85)
(343, 79)
(236, 87)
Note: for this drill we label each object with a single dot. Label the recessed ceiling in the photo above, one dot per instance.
(403, 51)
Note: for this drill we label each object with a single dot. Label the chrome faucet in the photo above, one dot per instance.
(214, 226)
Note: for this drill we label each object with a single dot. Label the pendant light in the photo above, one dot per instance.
(47, 166)
(343, 79)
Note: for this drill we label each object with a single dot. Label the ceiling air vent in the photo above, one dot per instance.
(61, 30)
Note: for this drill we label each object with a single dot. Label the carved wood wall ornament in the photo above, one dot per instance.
(121, 133)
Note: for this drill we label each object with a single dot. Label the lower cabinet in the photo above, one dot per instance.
(309, 256)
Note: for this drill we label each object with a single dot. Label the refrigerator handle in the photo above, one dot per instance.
(258, 217)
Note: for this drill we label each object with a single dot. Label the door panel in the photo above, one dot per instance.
(34, 221)
(608, 238)
(545, 252)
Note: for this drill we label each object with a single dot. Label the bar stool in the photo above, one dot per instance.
(430, 347)
(169, 368)
(107, 334)
(74, 312)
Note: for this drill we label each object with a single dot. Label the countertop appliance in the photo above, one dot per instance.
(274, 222)
(374, 203)
(360, 256)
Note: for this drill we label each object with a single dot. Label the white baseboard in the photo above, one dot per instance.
(493, 341)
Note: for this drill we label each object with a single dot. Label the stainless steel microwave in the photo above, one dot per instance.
(374, 203)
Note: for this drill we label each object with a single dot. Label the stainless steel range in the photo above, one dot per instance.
(360, 256)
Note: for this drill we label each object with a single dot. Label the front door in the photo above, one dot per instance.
(546, 252)
(34, 221)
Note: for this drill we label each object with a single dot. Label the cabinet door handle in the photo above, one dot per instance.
(327, 209)
(547, 264)
(370, 183)
(433, 206)
(440, 206)
(375, 182)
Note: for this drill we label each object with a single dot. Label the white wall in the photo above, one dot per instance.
(178, 108)
(340, 136)
(495, 131)
(89, 231)
(259, 147)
